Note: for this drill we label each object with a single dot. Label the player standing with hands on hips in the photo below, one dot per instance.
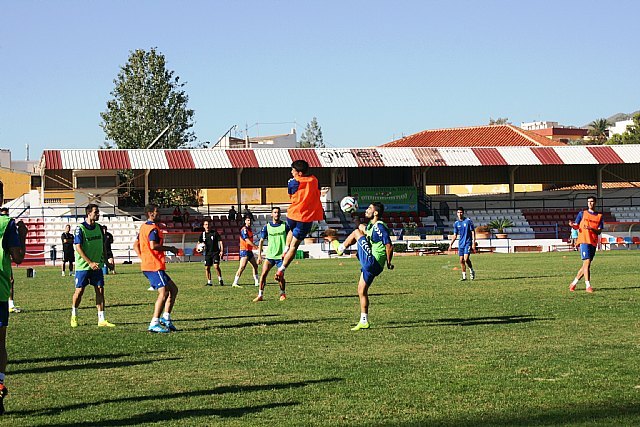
(464, 230)
(589, 224)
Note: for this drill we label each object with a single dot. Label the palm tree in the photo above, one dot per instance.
(599, 130)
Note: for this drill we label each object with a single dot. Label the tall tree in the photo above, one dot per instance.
(312, 136)
(147, 98)
(599, 130)
(630, 136)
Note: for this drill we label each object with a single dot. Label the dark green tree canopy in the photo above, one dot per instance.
(630, 136)
(146, 99)
(312, 136)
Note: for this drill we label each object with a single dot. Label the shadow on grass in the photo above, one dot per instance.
(471, 321)
(205, 319)
(184, 416)
(165, 396)
(258, 323)
(91, 307)
(355, 295)
(94, 365)
(72, 358)
(493, 278)
(626, 413)
(615, 289)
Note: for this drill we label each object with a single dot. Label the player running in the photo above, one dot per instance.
(246, 253)
(213, 249)
(464, 230)
(275, 233)
(12, 249)
(589, 224)
(306, 207)
(149, 247)
(89, 245)
(374, 252)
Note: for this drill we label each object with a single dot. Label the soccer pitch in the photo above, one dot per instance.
(513, 347)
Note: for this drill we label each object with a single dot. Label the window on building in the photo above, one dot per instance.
(106, 181)
(86, 182)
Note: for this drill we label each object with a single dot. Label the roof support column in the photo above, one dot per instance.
(42, 176)
(239, 189)
(146, 186)
(599, 170)
(512, 184)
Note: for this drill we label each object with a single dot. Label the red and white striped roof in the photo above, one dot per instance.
(339, 157)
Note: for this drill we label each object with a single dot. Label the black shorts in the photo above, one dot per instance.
(209, 260)
(68, 256)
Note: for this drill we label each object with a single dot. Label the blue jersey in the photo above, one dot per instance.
(464, 231)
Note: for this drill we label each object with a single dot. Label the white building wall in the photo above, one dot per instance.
(619, 127)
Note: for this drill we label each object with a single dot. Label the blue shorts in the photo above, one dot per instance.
(370, 266)
(587, 251)
(246, 253)
(276, 262)
(464, 250)
(89, 277)
(157, 279)
(4, 313)
(299, 229)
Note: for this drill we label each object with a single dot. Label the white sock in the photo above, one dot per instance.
(588, 283)
(219, 279)
(11, 304)
(281, 268)
(167, 316)
(341, 248)
(260, 293)
(471, 270)
(235, 281)
(209, 282)
(1, 377)
(101, 316)
(255, 279)
(74, 311)
(575, 282)
(464, 274)
(154, 321)
(364, 318)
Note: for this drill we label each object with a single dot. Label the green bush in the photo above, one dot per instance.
(400, 247)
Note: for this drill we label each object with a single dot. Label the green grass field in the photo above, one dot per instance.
(514, 347)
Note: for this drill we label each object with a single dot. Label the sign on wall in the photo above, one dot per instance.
(394, 198)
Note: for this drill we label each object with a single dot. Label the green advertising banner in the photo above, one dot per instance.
(395, 199)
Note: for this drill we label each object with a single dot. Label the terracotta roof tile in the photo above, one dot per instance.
(477, 136)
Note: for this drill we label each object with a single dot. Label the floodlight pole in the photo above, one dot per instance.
(160, 135)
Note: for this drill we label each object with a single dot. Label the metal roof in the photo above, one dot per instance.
(339, 157)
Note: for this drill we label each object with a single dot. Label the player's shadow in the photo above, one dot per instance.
(258, 323)
(181, 395)
(173, 415)
(333, 282)
(525, 277)
(356, 296)
(90, 307)
(78, 357)
(471, 321)
(205, 319)
(626, 288)
(91, 366)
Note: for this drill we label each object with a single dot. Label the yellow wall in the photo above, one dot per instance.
(277, 195)
(15, 183)
(227, 196)
(484, 189)
(65, 196)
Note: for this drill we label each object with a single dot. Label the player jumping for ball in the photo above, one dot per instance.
(464, 228)
(374, 252)
(306, 207)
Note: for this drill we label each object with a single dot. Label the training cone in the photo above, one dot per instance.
(455, 268)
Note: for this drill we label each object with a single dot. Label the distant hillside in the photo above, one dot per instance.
(617, 118)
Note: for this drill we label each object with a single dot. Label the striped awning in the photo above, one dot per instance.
(339, 157)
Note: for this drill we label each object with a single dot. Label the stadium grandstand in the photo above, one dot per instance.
(413, 173)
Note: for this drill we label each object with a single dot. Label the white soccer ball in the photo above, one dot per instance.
(200, 247)
(349, 204)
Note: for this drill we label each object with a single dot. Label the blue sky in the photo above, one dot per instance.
(370, 71)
